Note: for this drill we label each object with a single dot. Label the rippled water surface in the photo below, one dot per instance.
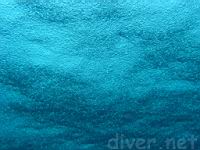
(99, 75)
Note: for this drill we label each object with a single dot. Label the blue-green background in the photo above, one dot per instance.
(74, 73)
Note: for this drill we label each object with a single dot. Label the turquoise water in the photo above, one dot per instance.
(99, 75)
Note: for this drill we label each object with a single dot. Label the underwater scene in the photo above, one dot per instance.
(99, 75)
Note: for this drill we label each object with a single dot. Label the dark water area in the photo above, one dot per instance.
(99, 75)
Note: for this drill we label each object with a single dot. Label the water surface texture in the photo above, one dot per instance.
(99, 74)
